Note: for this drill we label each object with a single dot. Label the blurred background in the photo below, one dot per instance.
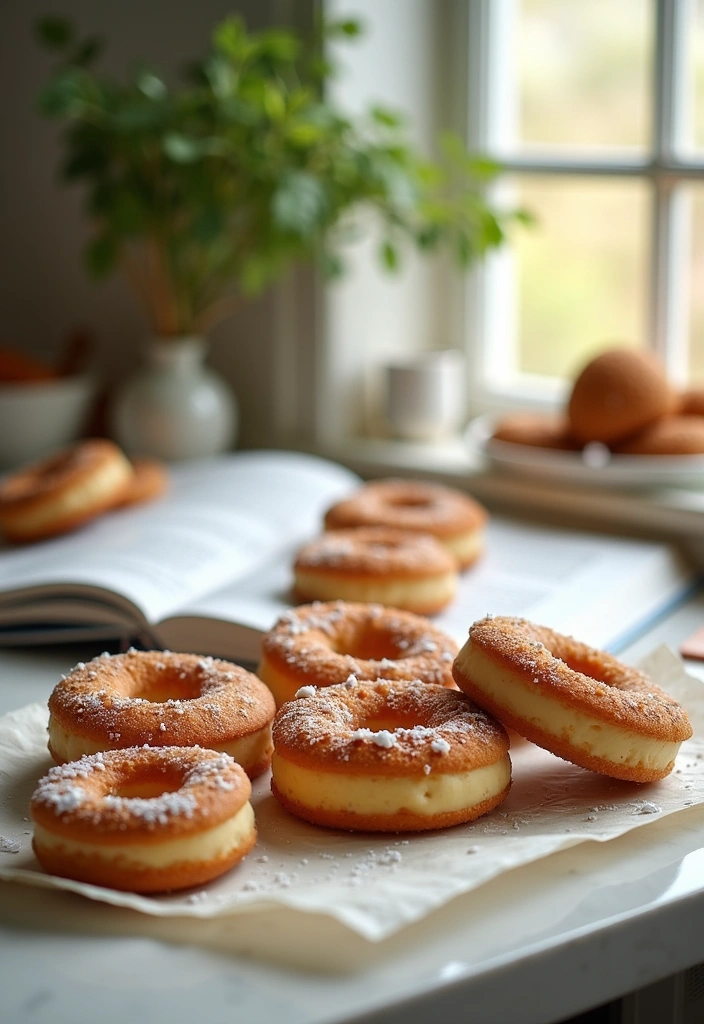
(596, 113)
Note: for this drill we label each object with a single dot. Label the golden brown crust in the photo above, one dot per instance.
(197, 790)
(537, 430)
(577, 676)
(374, 552)
(162, 699)
(83, 868)
(75, 485)
(149, 481)
(402, 821)
(443, 512)
(673, 435)
(617, 394)
(323, 643)
(371, 728)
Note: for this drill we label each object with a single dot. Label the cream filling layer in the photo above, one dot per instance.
(106, 480)
(210, 844)
(592, 735)
(466, 547)
(407, 593)
(433, 794)
(248, 751)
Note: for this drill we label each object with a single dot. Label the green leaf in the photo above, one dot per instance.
(54, 32)
(331, 264)
(151, 85)
(386, 117)
(299, 203)
(389, 256)
(181, 149)
(274, 101)
(101, 255)
(349, 27)
(230, 37)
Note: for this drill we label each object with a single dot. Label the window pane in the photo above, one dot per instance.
(584, 71)
(581, 270)
(696, 287)
(694, 93)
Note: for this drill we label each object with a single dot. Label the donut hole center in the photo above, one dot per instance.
(145, 785)
(590, 667)
(410, 502)
(167, 684)
(389, 721)
(368, 643)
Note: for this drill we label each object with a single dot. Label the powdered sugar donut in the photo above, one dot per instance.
(574, 700)
(397, 568)
(387, 757)
(453, 518)
(323, 644)
(161, 699)
(144, 819)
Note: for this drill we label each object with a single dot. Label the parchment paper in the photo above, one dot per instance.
(376, 885)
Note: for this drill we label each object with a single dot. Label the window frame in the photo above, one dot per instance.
(664, 167)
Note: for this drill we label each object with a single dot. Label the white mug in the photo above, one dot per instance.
(425, 396)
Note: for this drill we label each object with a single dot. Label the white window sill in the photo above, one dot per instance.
(675, 513)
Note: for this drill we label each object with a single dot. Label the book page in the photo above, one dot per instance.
(221, 518)
(595, 587)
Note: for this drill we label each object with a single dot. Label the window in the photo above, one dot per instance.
(596, 112)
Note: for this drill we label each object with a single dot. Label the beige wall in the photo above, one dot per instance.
(44, 290)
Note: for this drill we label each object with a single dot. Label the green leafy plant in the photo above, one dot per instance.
(205, 192)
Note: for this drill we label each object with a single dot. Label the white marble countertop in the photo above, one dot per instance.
(540, 944)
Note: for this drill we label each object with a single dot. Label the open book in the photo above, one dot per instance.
(208, 568)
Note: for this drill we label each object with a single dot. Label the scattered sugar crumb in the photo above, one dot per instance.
(9, 845)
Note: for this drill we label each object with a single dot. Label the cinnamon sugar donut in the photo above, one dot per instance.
(672, 435)
(150, 480)
(161, 699)
(618, 393)
(537, 430)
(388, 757)
(62, 492)
(399, 568)
(144, 819)
(455, 519)
(323, 644)
(576, 701)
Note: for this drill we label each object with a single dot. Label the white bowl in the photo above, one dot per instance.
(39, 417)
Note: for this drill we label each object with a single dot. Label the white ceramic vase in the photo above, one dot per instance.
(175, 407)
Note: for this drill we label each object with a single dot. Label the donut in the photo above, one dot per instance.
(388, 756)
(399, 568)
(150, 480)
(574, 700)
(62, 492)
(617, 394)
(161, 699)
(672, 435)
(537, 430)
(323, 644)
(455, 519)
(144, 819)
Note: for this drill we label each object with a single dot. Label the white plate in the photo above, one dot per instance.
(595, 466)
